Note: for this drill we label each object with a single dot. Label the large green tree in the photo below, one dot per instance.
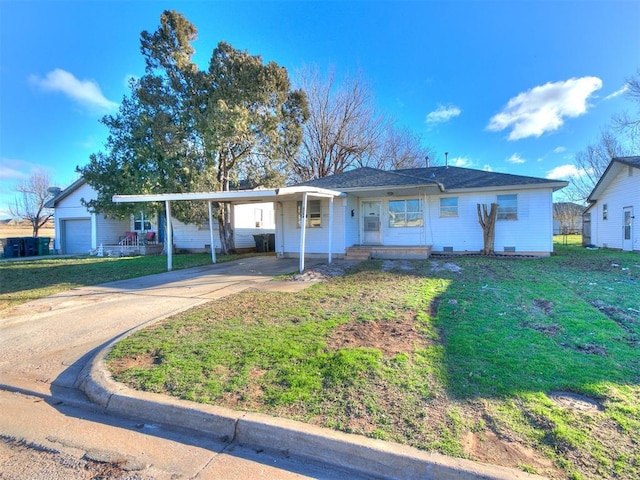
(185, 129)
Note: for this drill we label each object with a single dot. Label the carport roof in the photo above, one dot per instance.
(237, 196)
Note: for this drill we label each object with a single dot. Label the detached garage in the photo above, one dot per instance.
(78, 231)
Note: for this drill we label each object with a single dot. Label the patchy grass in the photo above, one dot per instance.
(37, 277)
(469, 363)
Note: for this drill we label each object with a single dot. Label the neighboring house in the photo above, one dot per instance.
(433, 207)
(614, 202)
(79, 231)
(567, 218)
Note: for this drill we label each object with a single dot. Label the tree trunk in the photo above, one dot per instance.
(227, 244)
(488, 223)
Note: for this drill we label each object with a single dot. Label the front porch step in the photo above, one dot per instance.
(357, 253)
(409, 252)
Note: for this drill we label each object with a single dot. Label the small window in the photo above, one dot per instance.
(314, 214)
(405, 213)
(507, 207)
(605, 211)
(141, 223)
(449, 207)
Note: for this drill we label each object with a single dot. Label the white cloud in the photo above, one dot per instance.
(14, 170)
(544, 108)
(617, 93)
(460, 162)
(559, 149)
(565, 172)
(443, 114)
(515, 159)
(85, 92)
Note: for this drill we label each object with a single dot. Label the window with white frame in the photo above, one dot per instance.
(314, 214)
(449, 207)
(141, 223)
(507, 207)
(405, 213)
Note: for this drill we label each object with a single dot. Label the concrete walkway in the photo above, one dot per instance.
(54, 346)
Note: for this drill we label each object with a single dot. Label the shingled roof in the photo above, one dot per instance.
(611, 171)
(450, 178)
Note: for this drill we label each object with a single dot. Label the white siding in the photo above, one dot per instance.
(623, 191)
(317, 237)
(531, 233)
(193, 237)
(109, 230)
(196, 237)
(252, 219)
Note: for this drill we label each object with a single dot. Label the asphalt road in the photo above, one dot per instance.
(43, 347)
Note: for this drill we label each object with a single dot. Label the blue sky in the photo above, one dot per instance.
(511, 86)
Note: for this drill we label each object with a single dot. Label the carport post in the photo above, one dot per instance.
(330, 227)
(213, 247)
(303, 229)
(169, 237)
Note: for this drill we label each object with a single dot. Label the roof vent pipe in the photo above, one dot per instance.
(446, 159)
(426, 159)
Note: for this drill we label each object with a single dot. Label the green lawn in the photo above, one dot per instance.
(465, 362)
(461, 355)
(38, 277)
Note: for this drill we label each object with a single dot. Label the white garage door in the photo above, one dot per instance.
(76, 236)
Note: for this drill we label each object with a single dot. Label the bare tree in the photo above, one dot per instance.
(591, 163)
(625, 122)
(31, 198)
(569, 215)
(345, 130)
(401, 148)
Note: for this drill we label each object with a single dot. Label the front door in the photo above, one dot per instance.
(627, 216)
(372, 231)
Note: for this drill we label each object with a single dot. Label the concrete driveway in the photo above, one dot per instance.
(45, 345)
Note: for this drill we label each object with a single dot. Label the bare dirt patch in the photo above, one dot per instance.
(488, 447)
(446, 266)
(391, 337)
(397, 265)
(544, 306)
(119, 365)
(548, 329)
(575, 402)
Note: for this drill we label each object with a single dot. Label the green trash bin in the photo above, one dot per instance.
(43, 245)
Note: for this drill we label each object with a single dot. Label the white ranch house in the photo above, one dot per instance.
(366, 212)
(609, 222)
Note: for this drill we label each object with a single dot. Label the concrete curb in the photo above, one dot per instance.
(362, 455)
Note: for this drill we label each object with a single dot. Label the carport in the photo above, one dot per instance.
(300, 193)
